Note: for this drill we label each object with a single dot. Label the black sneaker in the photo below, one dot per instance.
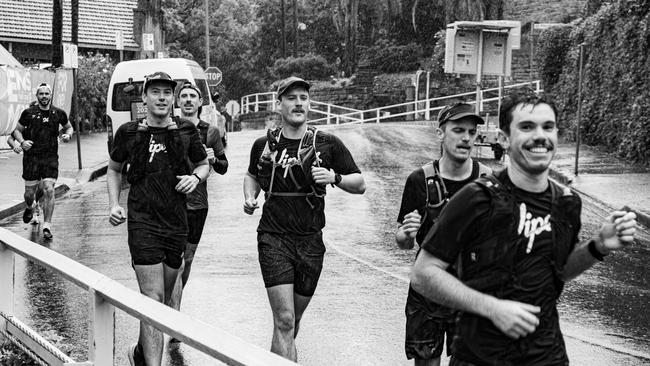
(28, 214)
(174, 340)
(47, 234)
(136, 358)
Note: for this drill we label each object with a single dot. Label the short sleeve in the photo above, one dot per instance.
(24, 120)
(256, 152)
(195, 152)
(413, 197)
(119, 151)
(63, 117)
(214, 140)
(342, 160)
(458, 223)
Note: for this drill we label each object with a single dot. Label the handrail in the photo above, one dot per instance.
(106, 293)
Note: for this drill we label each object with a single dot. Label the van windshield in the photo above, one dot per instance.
(123, 95)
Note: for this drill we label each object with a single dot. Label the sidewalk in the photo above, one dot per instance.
(94, 159)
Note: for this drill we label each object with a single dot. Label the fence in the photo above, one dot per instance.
(104, 295)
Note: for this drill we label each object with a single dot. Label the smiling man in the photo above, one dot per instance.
(293, 164)
(426, 192)
(514, 237)
(166, 161)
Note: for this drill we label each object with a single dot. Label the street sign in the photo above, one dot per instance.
(119, 40)
(232, 107)
(147, 42)
(70, 58)
(214, 75)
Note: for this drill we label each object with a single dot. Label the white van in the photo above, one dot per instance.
(124, 101)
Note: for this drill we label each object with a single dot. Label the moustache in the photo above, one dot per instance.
(298, 110)
(545, 144)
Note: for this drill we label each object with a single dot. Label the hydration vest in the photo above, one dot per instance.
(299, 173)
(177, 142)
(437, 194)
(489, 263)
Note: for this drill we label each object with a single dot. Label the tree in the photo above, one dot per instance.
(57, 33)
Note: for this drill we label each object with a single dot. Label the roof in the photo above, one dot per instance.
(99, 20)
(7, 58)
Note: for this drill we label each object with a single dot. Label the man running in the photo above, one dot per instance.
(161, 152)
(293, 164)
(426, 192)
(515, 237)
(190, 102)
(37, 135)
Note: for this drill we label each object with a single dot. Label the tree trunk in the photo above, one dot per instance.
(284, 29)
(350, 55)
(57, 33)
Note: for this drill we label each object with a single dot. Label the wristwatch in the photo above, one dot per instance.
(594, 251)
(337, 179)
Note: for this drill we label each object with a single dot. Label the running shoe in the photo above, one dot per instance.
(36, 213)
(136, 358)
(47, 232)
(174, 340)
(28, 214)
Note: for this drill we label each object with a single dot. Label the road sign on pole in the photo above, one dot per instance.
(214, 76)
(70, 55)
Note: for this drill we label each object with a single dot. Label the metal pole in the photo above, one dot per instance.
(479, 71)
(295, 29)
(579, 114)
(532, 49)
(427, 114)
(284, 30)
(207, 34)
(75, 41)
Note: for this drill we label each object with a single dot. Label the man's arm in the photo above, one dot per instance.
(405, 234)
(67, 133)
(18, 135)
(617, 232)
(430, 278)
(351, 183)
(251, 190)
(188, 183)
(114, 183)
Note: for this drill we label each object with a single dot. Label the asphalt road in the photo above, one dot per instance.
(357, 314)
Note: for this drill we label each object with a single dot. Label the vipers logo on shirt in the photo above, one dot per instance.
(155, 147)
(531, 227)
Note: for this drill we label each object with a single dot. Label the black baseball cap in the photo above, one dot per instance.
(290, 82)
(457, 111)
(160, 77)
(188, 85)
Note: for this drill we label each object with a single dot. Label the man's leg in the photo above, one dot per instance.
(183, 276)
(151, 280)
(300, 305)
(47, 204)
(281, 299)
(30, 191)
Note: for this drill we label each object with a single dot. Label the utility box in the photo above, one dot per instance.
(481, 48)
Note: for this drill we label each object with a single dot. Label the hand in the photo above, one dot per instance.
(515, 319)
(17, 149)
(323, 176)
(210, 152)
(187, 183)
(27, 144)
(117, 215)
(617, 232)
(250, 205)
(411, 224)
(65, 137)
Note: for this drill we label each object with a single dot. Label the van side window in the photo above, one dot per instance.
(126, 93)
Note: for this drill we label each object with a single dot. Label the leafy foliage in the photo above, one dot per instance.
(552, 48)
(310, 66)
(616, 86)
(388, 56)
(94, 75)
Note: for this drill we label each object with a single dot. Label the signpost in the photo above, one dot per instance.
(214, 76)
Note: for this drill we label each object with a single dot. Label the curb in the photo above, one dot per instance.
(59, 190)
(565, 179)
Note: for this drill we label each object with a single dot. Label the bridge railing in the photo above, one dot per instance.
(104, 296)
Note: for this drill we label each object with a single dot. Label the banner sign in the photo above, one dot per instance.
(18, 90)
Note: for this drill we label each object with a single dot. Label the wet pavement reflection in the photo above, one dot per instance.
(357, 314)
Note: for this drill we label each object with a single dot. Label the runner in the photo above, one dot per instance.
(426, 192)
(37, 134)
(293, 165)
(515, 235)
(190, 102)
(159, 151)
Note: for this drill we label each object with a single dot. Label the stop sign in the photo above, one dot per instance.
(214, 75)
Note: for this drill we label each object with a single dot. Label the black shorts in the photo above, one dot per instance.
(426, 325)
(296, 260)
(40, 166)
(147, 248)
(195, 224)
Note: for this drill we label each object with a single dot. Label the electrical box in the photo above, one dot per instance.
(481, 48)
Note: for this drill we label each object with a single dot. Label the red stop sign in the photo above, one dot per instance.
(213, 75)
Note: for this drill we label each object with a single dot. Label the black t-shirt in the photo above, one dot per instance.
(459, 226)
(154, 204)
(42, 127)
(294, 215)
(198, 199)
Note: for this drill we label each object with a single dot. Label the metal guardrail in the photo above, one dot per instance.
(417, 109)
(104, 295)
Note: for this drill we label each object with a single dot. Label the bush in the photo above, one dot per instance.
(389, 57)
(616, 84)
(552, 48)
(94, 75)
(310, 67)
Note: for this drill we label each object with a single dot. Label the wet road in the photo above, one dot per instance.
(357, 314)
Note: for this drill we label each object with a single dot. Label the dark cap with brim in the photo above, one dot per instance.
(160, 77)
(291, 82)
(457, 112)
